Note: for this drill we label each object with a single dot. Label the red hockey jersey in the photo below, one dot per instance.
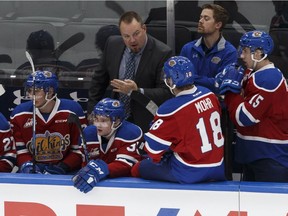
(119, 152)
(7, 146)
(261, 117)
(189, 126)
(56, 139)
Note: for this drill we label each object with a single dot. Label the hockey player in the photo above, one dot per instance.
(7, 146)
(259, 112)
(185, 142)
(111, 145)
(55, 149)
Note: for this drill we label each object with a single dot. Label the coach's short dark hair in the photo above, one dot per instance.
(128, 17)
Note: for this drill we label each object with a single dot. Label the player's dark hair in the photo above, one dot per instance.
(220, 14)
(128, 17)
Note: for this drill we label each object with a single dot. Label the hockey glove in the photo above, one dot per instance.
(232, 80)
(219, 79)
(90, 175)
(224, 75)
(29, 167)
(58, 169)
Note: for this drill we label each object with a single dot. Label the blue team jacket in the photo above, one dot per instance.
(208, 65)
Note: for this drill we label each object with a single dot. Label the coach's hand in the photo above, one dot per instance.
(124, 86)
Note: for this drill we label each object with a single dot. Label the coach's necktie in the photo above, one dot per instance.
(129, 74)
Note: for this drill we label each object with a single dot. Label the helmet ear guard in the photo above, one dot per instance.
(180, 70)
(111, 108)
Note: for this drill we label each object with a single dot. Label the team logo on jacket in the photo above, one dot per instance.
(215, 60)
(49, 146)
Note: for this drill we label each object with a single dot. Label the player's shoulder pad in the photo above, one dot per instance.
(67, 104)
(23, 107)
(4, 125)
(90, 129)
(90, 133)
(129, 132)
(172, 105)
(268, 79)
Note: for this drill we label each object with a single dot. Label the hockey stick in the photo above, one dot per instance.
(144, 101)
(33, 145)
(73, 118)
(67, 44)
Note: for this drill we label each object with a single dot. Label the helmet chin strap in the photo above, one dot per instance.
(113, 129)
(47, 100)
(255, 61)
(170, 88)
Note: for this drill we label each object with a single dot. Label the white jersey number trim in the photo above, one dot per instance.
(218, 139)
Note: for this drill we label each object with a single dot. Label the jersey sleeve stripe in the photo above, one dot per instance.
(127, 159)
(157, 139)
(20, 144)
(244, 117)
(198, 165)
(152, 150)
(262, 139)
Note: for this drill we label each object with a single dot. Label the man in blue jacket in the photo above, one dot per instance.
(211, 52)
